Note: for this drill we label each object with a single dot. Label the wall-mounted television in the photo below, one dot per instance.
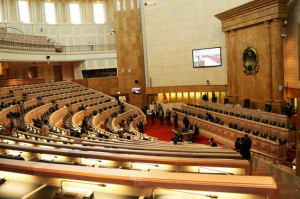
(136, 90)
(207, 57)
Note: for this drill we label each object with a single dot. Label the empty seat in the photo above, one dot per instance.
(263, 135)
(237, 115)
(247, 130)
(282, 141)
(231, 113)
(273, 123)
(256, 119)
(240, 128)
(282, 125)
(220, 111)
(265, 121)
(249, 117)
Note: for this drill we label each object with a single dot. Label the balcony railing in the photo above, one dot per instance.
(35, 47)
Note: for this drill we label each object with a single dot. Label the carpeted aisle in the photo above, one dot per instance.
(165, 133)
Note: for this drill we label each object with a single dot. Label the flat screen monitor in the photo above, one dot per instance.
(207, 57)
(136, 90)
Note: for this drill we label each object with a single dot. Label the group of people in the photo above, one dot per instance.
(243, 145)
(161, 116)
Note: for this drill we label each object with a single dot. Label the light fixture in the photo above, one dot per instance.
(215, 170)
(83, 182)
(209, 196)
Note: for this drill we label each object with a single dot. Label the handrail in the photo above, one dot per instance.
(274, 159)
(16, 29)
(54, 41)
(45, 47)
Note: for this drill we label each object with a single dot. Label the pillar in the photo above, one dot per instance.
(37, 11)
(298, 140)
(233, 66)
(268, 65)
(12, 10)
(277, 61)
(229, 90)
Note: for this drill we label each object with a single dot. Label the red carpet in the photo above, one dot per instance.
(165, 133)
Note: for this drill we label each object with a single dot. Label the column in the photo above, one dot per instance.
(12, 10)
(83, 11)
(67, 12)
(59, 17)
(229, 90)
(298, 141)
(268, 64)
(38, 11)
(233, 64)
(277, 61)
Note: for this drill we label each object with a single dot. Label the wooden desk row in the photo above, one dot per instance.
(36, 149)
(249, 124)
(249, 112)
(252, 185)
(228, 135)
(205, 154)
(33, 85)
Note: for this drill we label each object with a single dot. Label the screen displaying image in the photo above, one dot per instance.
(207, 57)
(136, 90)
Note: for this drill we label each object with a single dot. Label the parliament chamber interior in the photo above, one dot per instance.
(165, 99)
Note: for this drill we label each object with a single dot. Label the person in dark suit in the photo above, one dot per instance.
(161, 117)
(213, 94)
(196, 130)
(122, 107)
(168, 116)
(205, 98)
(159, 108)
(212, 143)
(237, 144)
(153, 117)
(247, 147)
(175, 117)
(140, 126)
(84, 129)
(176, 137)
(56, 107)
(186, 121)
(210, 117)
(289, 109)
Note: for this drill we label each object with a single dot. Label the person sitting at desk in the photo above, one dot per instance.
(210, 117)
(14, 102)
(56, 107)
(140, 126)
(212, 143)
(2, 106)
(122, 124)
(84, 131)
(189, 139)
(176, 137)
(196, 130)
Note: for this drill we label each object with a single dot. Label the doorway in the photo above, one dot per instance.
(57, 70)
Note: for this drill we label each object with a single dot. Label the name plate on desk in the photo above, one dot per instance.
(77, 141)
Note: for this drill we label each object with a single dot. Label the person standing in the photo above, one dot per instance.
(186, 121)
(161, 117)
(237, 144)
(168, 116)
(14, 126)
(153, 117)
(175, 117)
(159, 108)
